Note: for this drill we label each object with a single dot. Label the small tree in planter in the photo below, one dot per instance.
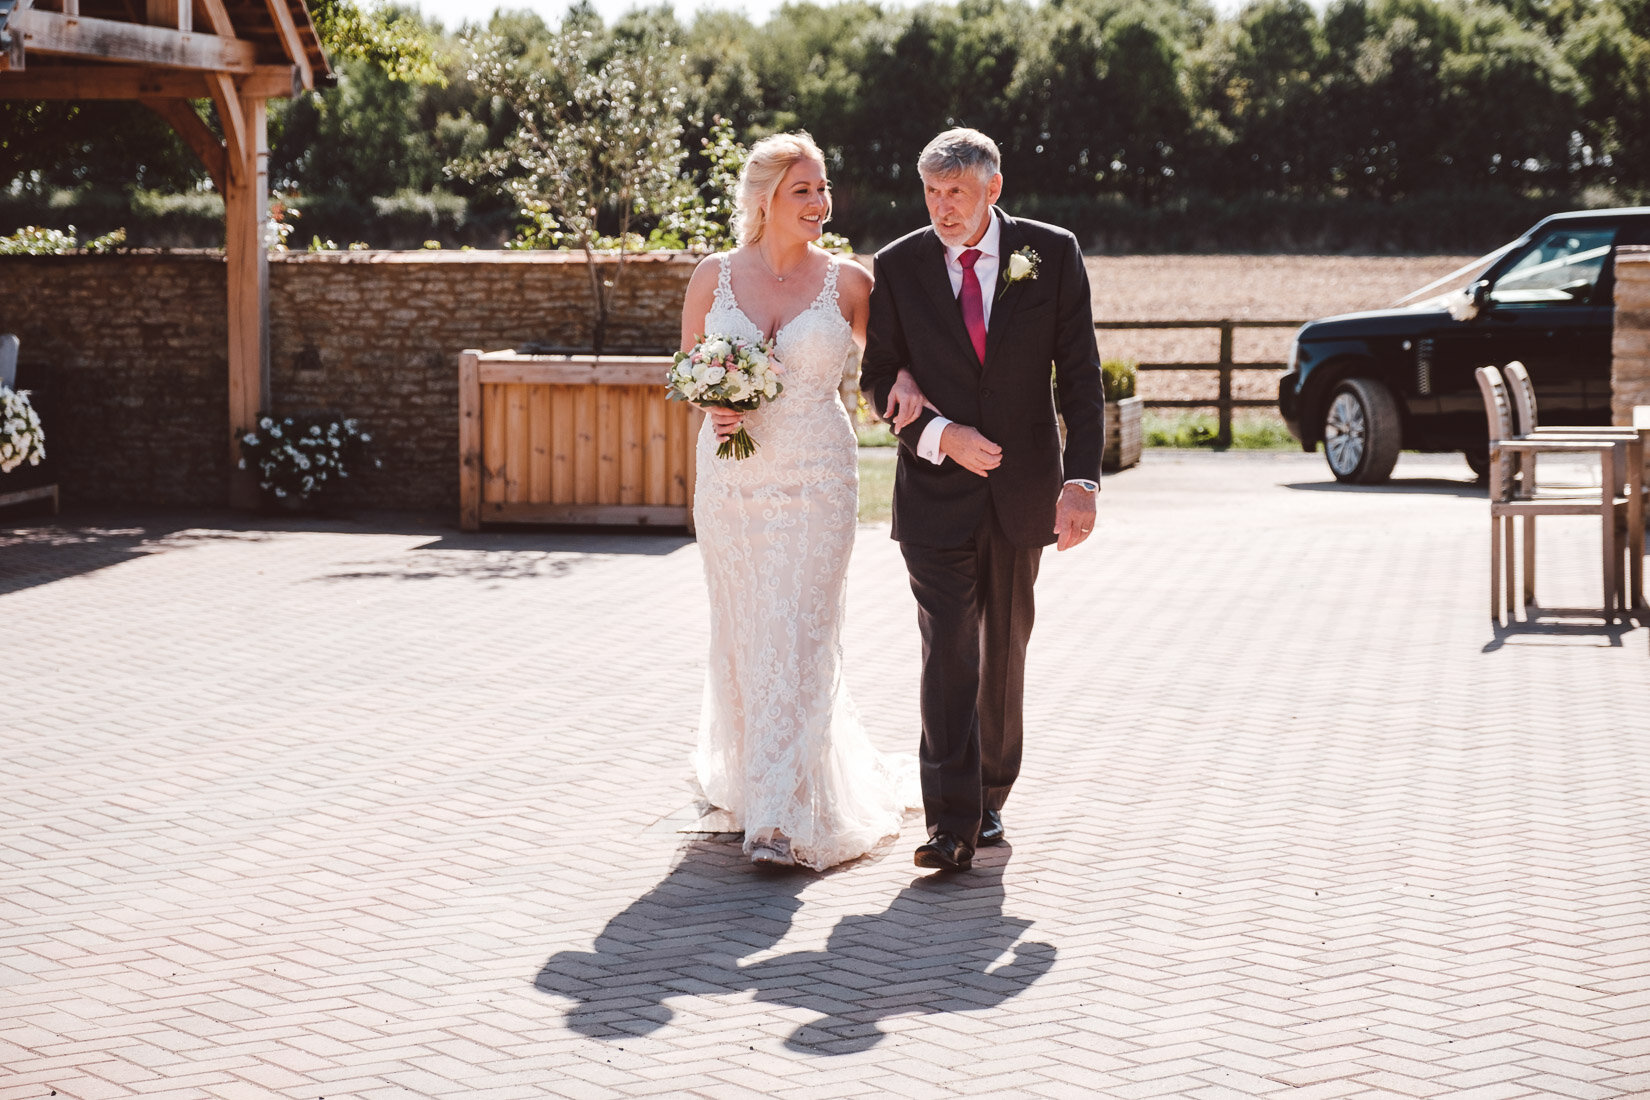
(1124, 431)
(597, 142)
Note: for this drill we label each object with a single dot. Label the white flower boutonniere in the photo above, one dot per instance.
(1022, 265)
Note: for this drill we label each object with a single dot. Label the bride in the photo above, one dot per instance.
(781, 746)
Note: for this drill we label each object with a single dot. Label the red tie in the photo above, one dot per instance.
(973, 306)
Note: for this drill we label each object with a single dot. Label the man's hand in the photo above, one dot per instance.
(1073, 516)
(970, 450)
(724, 422)
(905, 401)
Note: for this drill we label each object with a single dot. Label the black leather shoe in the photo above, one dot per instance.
(945, 852)
(991, 828)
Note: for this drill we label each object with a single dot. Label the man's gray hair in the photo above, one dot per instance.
(961, 150)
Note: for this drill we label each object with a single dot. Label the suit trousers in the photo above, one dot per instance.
(975, 611)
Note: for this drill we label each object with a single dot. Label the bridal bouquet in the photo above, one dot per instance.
(728, 373)
(21, 437)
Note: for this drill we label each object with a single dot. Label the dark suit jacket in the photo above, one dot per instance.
(1036, 324)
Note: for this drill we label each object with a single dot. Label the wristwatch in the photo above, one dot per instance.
(1084, 483)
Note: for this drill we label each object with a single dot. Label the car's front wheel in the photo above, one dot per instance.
(1361, 432)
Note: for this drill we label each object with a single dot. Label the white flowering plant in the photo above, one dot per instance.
(297, 457)
(22, 439)
(728, 373)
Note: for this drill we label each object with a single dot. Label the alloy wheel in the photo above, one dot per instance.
(1343, 434)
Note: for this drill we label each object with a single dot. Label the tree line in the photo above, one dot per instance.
(1141, 123)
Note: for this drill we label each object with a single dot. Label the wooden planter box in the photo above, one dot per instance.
(572, 439)
(1125, 435)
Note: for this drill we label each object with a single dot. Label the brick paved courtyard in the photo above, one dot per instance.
(374, 809)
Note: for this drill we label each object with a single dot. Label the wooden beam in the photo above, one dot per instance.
(173, 14)
(217, 17)
(140, 82)
(49, 32)
(231, 120)
(195, 134)
(289, 38)
(246, 203)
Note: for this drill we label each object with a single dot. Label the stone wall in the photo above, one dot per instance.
(1630, 343)
(128, 352)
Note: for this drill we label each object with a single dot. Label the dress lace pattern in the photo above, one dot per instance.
(781, 746)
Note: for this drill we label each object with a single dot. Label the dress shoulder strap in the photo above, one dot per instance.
(828, 292)
(724, 279)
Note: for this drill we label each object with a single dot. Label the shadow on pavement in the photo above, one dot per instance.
(1552, 623)
(55, 550)
(36, 550)
(1436, 486)
(937, 947)
(493, 556)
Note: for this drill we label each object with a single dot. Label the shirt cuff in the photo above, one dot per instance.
(928, 446)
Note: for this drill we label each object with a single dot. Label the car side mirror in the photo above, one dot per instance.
(1480, 294)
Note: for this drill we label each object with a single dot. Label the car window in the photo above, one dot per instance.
(1561, 268)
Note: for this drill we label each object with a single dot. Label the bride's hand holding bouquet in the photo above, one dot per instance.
(725, 372)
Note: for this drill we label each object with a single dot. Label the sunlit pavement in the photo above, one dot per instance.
(371, 808)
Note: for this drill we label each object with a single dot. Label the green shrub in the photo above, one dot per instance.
(1194, 428)
(32, 240)
(1119, 376)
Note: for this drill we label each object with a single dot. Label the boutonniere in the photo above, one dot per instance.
(1021, 265)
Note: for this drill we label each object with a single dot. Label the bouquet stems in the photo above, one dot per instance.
(738, 445)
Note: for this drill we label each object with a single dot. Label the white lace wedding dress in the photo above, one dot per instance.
(781, 747)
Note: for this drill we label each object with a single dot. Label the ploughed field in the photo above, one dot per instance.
(1212, 288)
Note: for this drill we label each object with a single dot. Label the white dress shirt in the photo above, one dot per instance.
(985, 270)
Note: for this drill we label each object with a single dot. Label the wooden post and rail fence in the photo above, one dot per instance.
(1225, 366)
(577, 439)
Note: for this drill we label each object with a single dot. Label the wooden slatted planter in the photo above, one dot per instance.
(572, 439)
(1125, 433)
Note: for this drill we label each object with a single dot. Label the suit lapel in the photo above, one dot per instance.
(1007, 297)
(937, 282)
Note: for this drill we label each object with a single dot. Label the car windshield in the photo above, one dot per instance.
(1455, 280)
(1560, 267)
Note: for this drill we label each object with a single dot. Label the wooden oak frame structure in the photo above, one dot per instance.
(245, 53)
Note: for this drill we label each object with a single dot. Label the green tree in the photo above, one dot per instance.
(596, 152)
(1501, 63)
(1613, 64)
(1104, 95)
(1261, 76)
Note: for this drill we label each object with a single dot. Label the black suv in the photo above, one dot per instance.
(1368, 384)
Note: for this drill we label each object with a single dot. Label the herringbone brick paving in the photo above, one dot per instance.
(373, 809)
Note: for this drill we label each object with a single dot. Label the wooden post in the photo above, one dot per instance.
(245, 211)
(469, 440)
(1224, 437)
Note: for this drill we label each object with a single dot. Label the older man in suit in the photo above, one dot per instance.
(981, 309)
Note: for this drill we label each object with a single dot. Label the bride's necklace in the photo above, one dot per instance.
(789, 271)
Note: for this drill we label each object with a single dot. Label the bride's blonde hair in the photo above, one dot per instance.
(766, 165)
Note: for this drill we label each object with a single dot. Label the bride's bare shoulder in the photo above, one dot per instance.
(852, 278)
(710, 267)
